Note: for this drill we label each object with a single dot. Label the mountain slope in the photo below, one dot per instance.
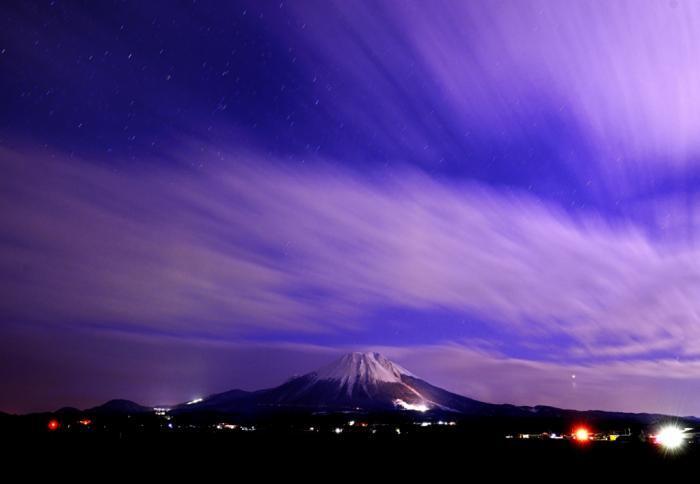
(369, 382)
(118, 406)
(356, 381)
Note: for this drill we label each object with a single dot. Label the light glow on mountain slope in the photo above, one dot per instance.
(416, 407)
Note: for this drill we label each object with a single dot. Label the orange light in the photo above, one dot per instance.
(582, 434)
(85, 422)
(53, 425)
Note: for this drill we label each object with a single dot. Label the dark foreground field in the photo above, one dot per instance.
(342, 456)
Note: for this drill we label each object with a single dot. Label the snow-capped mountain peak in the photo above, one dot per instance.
(363, 369)
(367, 381)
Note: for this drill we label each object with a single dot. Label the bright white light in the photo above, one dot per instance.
(196, 400)
(418, 407)
(338, 430)
(670, 437)
(582, 434)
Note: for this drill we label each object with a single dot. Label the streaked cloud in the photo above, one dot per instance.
(531, 165)
(251, 247)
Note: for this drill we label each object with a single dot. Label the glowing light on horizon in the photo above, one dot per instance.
(670, 437)
(53, 425)
(582, 434)
(196, 400)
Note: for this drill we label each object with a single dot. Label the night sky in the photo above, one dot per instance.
(498, 195)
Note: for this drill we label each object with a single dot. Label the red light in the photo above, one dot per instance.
(53, 425)
(582, 434)
(85, 422)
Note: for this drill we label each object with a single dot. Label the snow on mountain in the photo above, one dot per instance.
(361, 369)
(360, 380)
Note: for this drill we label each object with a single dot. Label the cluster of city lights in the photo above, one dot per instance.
(669, 437)
(439, 422)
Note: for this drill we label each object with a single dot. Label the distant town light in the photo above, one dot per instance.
(670, 437)
(582, 434)
(196, 400)
(161, 411)
(338, 430)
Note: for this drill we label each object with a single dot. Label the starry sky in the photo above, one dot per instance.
(500, 196)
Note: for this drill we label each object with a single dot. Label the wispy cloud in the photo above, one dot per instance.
(625, 75)
(256, 247)
(530, 165)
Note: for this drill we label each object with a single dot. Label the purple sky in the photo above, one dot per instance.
(498, 195)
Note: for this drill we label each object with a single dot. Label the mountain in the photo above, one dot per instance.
(362, 383)
(120, 407)
(356, 381)
(68, 411)
(370, 382)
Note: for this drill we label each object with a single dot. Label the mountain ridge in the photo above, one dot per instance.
(366, 382)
